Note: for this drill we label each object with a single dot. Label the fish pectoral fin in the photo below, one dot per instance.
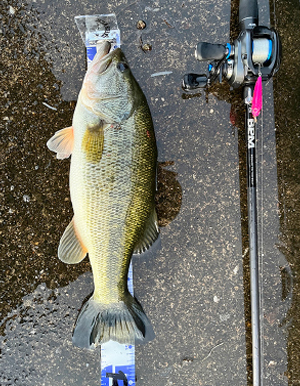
(93, 142)
(71, 250)
(150, 234)
(62, 142)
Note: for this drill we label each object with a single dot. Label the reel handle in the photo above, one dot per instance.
(193, 81)
(208, 51)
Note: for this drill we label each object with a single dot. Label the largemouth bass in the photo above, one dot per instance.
(112, 187)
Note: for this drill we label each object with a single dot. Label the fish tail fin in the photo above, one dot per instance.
(124, 322)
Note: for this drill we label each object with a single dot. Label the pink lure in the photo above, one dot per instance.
(257, 97)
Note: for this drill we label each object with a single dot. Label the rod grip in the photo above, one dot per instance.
(248, 13)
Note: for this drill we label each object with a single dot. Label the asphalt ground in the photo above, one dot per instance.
(195, 286)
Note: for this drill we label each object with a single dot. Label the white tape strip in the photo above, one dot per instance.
(117, 360)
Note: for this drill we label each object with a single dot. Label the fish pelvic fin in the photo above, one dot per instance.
(124, 322)
(150, 234)
(71, 249)
(62, 142)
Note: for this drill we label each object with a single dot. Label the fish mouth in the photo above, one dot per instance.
(104, 57)
(101, 60)
(103, 48)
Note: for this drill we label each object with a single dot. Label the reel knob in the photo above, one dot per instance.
(193, 81)
(208, 52)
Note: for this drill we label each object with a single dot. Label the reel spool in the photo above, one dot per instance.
(261, 50)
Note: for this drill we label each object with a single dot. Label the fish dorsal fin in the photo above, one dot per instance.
(150, 235)
(62, 142)
(71, 250)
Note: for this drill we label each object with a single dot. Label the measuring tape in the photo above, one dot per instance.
(117, 360)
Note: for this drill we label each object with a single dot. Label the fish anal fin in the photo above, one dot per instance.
(62, 142)
(71, 250)
(150, 234)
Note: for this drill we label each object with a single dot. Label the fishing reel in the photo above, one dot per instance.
(256, 52)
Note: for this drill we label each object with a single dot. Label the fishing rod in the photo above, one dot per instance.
(253, 57)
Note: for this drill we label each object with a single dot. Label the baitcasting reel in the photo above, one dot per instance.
(256, 52)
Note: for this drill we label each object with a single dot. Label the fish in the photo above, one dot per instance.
(112, 187)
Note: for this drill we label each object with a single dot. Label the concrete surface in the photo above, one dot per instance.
(193, 287)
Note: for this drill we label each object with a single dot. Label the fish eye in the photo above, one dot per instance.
(122, 66)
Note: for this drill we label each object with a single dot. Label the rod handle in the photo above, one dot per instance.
(248, 14)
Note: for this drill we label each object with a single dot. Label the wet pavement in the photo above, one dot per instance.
(287, 123)
(195, 287)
